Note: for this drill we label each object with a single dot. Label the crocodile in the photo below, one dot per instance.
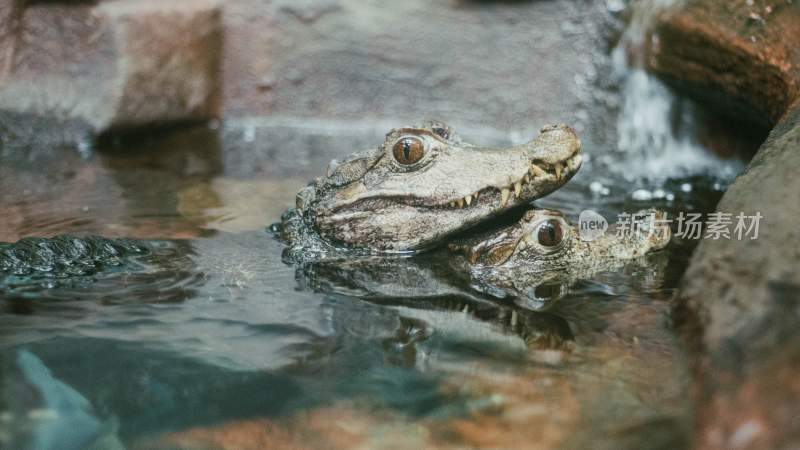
(533, 261)
(411, 193)
(543, 248)
(420, 186)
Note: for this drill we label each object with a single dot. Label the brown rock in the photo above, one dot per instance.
(738, 309)
(110, 64)
(736, 55)
(338, 427)
(738, 304)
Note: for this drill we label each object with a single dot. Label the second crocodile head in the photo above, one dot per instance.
(544, 240)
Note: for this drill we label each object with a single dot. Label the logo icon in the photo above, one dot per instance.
(591, 225)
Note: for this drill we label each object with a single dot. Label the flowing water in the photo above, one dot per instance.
(211, 341)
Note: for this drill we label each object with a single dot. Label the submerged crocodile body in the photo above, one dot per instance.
(66, 256)
(533, 261)
(422, 185)
(63, 267)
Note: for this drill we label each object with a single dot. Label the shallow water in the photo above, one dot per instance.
(213, 339)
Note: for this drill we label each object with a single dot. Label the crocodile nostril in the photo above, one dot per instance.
(441, 132)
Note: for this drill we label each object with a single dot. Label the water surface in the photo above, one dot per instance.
(212, 338)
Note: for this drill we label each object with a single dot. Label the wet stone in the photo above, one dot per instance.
(737, 306)
(145, 62)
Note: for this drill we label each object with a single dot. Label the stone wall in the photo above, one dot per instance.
(509, 65)
(110, 65)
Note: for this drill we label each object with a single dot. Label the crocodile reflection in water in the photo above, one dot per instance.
(428, 294)
(68, 268)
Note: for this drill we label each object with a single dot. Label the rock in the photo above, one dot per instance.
(738, 306)
(738, 309)
(335, 427)
(715, 50)
(337, 61)
(110, 65)
(361, 61)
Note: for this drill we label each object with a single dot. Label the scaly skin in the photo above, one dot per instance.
(65, 256)
(527, 255)
(379, 202)
(63, 267)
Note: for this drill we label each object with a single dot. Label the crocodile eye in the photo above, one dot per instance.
(408, 150)
(550, 233)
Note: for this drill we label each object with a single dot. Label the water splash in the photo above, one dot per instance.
(655, 129)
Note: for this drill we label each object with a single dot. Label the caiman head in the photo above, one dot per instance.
(536, 260)
(424, 184)
(543, 241)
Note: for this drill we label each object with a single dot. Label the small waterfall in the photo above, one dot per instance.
(655, 129)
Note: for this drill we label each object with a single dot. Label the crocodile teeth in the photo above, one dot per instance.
(504, 197)
(559, 167)
(452, 204)
(536, 170)
(525, 178)
(461, 203)
(468, 199)
(513, 318)
(466, 309)
(517, 188)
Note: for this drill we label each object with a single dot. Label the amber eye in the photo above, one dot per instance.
(550, 233)
(408, 150)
